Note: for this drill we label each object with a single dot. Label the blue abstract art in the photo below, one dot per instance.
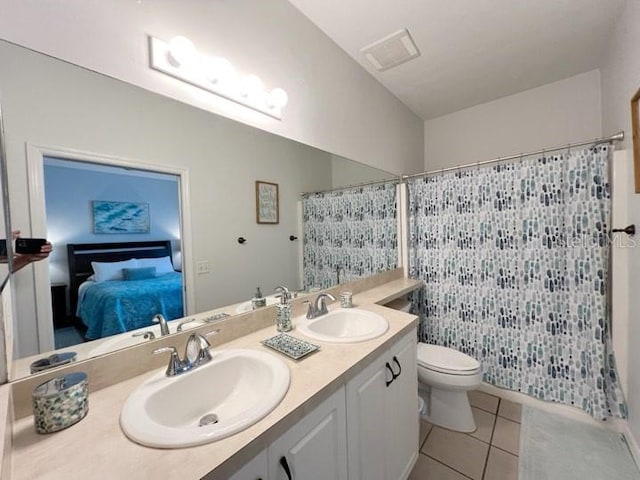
(120, 217)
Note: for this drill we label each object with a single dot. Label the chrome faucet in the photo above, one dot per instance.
(319, 307)
(196, 354)
(176, 366)
(164, 328)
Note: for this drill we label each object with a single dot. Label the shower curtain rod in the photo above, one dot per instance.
(397, 179)
(613, 138)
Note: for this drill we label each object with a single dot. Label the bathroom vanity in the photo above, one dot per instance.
(355, 397)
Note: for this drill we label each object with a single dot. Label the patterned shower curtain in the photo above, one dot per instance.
(515, 260)
(354, 230)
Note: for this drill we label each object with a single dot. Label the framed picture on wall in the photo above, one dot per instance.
(635, 127)
(267, 207)
(120, 217)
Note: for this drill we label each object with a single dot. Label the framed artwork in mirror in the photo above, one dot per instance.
(635, 127)
(120, 217)
(267, 208)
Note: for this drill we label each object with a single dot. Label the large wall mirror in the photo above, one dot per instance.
(6, 252)
(93, 160)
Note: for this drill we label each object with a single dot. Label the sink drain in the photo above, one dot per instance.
(208, 419)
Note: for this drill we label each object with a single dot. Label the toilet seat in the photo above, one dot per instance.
(446, 360)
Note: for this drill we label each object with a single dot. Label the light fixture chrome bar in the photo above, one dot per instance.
(618, 137)
(395, 180)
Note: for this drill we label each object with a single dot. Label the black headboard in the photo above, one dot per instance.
(80, 256)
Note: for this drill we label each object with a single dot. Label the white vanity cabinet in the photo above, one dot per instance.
(256, 469)
(374, 418)
(382, 415)
(316, 447)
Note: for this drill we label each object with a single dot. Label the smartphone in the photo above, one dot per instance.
(29, 245)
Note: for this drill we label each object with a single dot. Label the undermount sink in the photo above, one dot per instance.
(230, 393)
(123, 340)
(348, 325)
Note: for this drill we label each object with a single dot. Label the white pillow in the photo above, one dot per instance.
(163, 264)
(105, 271)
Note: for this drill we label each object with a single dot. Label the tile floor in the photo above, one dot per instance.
(489, 453)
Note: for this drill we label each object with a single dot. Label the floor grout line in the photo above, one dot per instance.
(448, 466)
(493, 430)
(489, 444)
(507, 451)
(427, 437)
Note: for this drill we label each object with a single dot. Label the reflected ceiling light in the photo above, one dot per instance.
(277, 98)
(181, 52)
(219, 71)
(251, 86)
(179, 59)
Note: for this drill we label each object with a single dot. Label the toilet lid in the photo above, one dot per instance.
(445, 359)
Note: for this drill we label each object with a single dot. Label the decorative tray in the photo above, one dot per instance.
(290, 346)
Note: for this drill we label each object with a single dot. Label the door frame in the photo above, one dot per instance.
(38, 220)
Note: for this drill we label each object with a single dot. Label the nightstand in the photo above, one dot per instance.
(59, 305)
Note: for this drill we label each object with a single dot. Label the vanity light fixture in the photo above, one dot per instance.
(181, 52)
(180, 59)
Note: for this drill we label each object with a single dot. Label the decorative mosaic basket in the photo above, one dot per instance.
(60, 402)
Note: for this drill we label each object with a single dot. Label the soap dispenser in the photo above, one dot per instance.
(283, 314)
(258, 300)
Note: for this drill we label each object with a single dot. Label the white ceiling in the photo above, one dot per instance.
(473, 51)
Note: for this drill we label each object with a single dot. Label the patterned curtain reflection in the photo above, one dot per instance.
(352, 230)
(514, 260)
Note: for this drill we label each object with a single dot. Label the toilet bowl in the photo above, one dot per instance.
(448, 374)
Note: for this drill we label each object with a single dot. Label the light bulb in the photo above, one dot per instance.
(219, 71)
(251, 86)
(277, 98)
(181, 51)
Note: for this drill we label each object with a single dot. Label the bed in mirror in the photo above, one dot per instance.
(87, 138)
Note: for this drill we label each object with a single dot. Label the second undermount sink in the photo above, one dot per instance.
(233, 391)
(348, 325)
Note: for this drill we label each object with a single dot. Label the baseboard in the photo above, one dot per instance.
(574, 413)
(633, 445)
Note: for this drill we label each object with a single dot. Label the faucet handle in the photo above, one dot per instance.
(184, 322)
(311, 309)
(197, 351)
(175, 364)
(147, 335)
(212, 333)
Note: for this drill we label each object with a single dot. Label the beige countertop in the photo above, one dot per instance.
(96, 448)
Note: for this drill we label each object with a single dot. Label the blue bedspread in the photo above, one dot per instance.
(109, 308)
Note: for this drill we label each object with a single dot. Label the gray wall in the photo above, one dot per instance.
(555, 114)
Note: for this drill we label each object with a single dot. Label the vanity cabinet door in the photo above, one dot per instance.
(366, 423)
(382, 415)
(402, 410)
(316, 447)
(256, 469)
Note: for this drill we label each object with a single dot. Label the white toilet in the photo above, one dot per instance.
(448, 374)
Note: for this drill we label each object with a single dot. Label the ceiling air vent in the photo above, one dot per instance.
(391, 51)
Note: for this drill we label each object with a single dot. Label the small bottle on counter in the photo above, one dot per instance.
(283, 312)
(258, 300)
